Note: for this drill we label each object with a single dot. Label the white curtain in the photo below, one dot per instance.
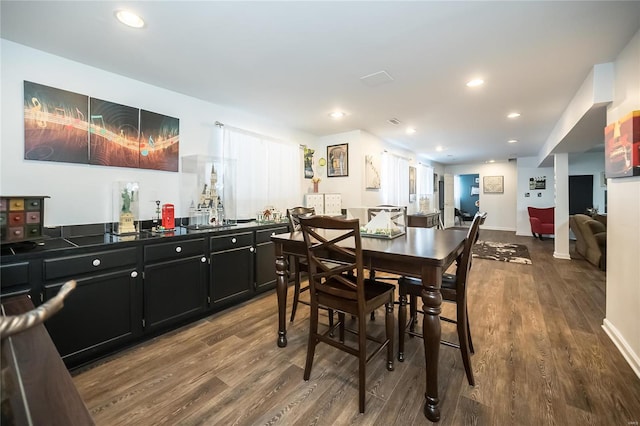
(425, 180)
(395, 179)
(268, 171)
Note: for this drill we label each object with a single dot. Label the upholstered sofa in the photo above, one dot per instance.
(542, 221)
(591, 239)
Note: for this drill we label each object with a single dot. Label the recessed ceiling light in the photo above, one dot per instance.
(439, 148)
(491, 161)
(475, 82)
(513, 115)
(512, 141)
(410, 130)
(337, 115)
(129, 19)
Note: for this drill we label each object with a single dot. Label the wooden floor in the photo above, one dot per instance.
(541, 358)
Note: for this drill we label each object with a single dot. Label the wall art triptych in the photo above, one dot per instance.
(69, 127)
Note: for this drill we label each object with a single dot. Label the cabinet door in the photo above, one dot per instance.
(231, 275)
(266, 259)
(174, 290)
(102, 313)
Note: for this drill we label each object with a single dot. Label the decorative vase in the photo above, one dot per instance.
(315, 186)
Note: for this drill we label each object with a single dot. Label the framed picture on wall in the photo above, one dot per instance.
(338, 160)
(493, 184)
(412, 184)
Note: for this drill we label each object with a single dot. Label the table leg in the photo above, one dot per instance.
(432, 299)
(281, 291)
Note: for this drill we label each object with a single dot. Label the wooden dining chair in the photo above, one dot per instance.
(454, 290)
(333, 285)
(300, 264)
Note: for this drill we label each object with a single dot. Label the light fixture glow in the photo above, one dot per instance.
(491, 161)
(130, 19)
(512, 141)
(439, 148)
(410, 130)
(475, 82)
(336, 115)
(513, 115)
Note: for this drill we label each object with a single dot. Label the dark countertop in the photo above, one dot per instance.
(28, 249)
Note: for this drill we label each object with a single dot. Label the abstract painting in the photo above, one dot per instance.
(372, 171)
(113, 134)
(159, 141)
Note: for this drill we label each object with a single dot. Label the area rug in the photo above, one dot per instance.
(505, 252)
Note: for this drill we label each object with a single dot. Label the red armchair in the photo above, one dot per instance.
(541, 221)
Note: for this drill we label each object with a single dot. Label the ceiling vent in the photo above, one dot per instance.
(394, 121)
(376, 79)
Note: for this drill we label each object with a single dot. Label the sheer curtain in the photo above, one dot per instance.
(395, 179)
(425, 180)
(268, 171)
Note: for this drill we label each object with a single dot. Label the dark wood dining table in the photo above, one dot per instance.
(424, 253)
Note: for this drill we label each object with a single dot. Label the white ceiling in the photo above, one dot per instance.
(295, 62)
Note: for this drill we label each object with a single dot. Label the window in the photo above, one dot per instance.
(395, 179)
(268, 171)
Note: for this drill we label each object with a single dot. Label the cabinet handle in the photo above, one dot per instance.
(273, 233)
(251, 249)
(134, 274)
(96, 262)
(17, 232)
(233, 240)
(178, 249)
(203, 259)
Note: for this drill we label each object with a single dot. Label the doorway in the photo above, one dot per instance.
(580, 194)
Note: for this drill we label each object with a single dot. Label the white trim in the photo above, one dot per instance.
(622, 345)
(561, 256)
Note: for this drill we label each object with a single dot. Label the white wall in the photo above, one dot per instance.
(527, 168)
(82, 193)
(500, 208)
(622, 322)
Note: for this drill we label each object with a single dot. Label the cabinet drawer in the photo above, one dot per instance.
(15, 233)
(16, 204)
(173, 250)
(226, 242)
(33, 217)
(14, 274)
(16, 218)
(264, 235)
(33, 204)
(73, 266)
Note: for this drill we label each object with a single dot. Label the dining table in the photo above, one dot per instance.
(423, 253)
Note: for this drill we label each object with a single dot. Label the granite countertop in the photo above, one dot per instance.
(85, 238)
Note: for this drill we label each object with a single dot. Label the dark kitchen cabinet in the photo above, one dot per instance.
(265, 258)
(103, 312)
(232, 263)
(16, 278)
(175, 282)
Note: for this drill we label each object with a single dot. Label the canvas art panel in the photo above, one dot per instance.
(55, 124)
(622, 147)
(372, 171)
(113, 134)
(493, 184)
(159, 141)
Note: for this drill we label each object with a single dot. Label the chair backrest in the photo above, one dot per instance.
(462, 271)
(294, 213)
(545, 214)
(322, 235)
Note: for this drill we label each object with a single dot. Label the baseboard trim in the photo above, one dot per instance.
(632, 358)
(561, 256)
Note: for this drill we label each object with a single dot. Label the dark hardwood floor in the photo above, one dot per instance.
(541, 358)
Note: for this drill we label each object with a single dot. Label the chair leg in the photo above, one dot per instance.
(362, 361)
(469, 335)
(341, 317)
(463, 339)
(330, 313)
(389, 325)
(402, 324)
(313, 340)
(296, 292)
(413, 313)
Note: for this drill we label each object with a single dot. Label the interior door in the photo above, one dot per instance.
(449, 203)
(580, 193)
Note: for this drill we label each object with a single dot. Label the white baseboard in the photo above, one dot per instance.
(497, 228)
(561, 256)
(632, 358)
